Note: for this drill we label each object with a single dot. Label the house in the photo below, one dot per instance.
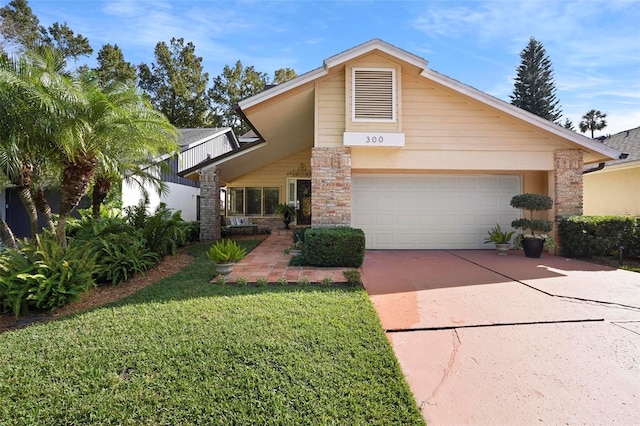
(196, 145)
(376, 140)
(613, 187)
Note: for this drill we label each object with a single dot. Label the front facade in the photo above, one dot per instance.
(613, 188)
(377, 141)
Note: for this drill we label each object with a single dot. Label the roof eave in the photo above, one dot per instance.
(521, 114)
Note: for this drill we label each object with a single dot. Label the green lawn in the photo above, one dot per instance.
(184, 351)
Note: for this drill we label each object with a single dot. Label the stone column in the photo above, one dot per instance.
(567, 185)
(330, 187)
(210, 204)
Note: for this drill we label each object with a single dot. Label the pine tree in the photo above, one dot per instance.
(534, 88)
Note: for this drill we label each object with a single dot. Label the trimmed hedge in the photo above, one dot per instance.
(588, 236)
(340, 246)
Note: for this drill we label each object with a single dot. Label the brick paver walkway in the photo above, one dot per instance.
(269, 261)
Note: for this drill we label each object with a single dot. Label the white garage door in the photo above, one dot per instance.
(431, 211)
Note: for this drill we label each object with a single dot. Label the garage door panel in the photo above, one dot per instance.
(431, 211)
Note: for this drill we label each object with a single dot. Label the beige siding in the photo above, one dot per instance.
(612, 192)
(274, 175)
(443, 129)
(330, 111)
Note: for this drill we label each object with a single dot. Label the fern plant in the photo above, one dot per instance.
(226, 251)
(43, 275)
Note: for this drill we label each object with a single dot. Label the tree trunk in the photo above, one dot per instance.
(43, 207)
(23, 187)
(101, 188)
(6, 235)
(76, 178)
(24, 193)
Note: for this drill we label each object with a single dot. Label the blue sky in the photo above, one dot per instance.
(594, 45)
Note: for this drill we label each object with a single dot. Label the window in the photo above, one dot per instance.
(374, 94)
(253, 201)
(236, 201)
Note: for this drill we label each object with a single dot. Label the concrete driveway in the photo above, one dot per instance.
(485, 339)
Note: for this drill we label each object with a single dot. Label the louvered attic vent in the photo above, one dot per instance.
(373, 95)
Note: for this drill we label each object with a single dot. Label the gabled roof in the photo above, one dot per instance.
(627, 142)
(519, 113)
(301, 90)
(195, 136)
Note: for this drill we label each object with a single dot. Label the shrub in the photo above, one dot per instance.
(261, 282)
(164, 232)
(340, 246)
(588, 236)
(121, 255)
(191, 231)
(352, 276)
(44, 276)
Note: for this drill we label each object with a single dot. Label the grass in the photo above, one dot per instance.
(184, 351)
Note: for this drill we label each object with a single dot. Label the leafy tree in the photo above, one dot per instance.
(229, 88)
(568, 124)
(19, 25)
(22, 28)
(176, 83)
(112, 67)
(593, 120)
(283, 74)
(66, 42)
(534, 88)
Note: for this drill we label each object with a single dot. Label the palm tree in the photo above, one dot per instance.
(593, 120)
(33, 94)
(115, 126)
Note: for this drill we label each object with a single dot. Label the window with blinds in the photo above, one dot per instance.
(374, 97)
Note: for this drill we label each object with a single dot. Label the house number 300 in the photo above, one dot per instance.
(373, 139)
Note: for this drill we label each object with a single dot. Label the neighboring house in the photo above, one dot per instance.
(613, 187)
(375, 140)
(196, 145)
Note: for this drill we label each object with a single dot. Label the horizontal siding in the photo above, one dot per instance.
(330, 124)
(275, 175)
(209, 149)
(439, 118)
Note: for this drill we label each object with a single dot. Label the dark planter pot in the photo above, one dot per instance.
(287, 221)
(532, 247)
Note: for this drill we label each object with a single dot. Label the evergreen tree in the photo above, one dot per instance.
(21, 28)
(176, 84)
(112, 67)
(568, 124)
(229, 88)
(283, 74)
(534, 88)
(593, 120)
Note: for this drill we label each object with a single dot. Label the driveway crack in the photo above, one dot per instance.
(580, 299)
(455, 343)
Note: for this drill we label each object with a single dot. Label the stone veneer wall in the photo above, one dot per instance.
(210, 204)
(330, 187)
(568, 165)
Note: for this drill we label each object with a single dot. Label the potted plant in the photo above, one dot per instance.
(287, 212)
(225, 253)
(500, 238)
(537, 239)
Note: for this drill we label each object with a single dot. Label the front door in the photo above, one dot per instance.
(303, 196)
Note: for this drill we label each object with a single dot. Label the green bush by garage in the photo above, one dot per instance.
(588, 236)
(339, 246)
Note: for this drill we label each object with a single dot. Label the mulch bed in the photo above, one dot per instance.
(104, 294)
